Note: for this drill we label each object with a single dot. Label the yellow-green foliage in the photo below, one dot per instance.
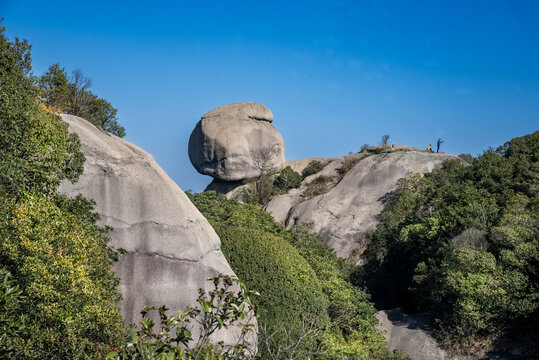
(36, 151)
(62, 264)
(275, 260)
(50, 245)
(271, 266)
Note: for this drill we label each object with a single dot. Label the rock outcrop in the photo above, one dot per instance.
(171, 248)
(236, 142)
(409, 334)
(346, 214)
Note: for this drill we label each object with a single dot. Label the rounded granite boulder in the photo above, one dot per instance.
(236, 142)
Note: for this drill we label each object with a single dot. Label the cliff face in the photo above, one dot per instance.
(171, 248)
(348, 212)
(344, 200)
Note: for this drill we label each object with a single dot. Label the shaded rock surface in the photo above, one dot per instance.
(279, 206)
(409, 334)
(346, 214)
(171, 248)
(231, 189)
(236, 142)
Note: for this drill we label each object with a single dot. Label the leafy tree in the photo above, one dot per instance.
(36, 152)
(62, 263)
(72, 96)
(462, 242)
(55, 88)
(103, 115)
(62, 291)
(287, 179)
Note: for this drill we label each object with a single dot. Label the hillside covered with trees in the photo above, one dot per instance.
(462, 243)
(57, 290)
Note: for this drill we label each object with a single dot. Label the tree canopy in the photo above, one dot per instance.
(463, 243)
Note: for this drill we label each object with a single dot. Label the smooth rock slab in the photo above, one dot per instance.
(409, 334)
(279, 206)
(347, 213)
(171, 248)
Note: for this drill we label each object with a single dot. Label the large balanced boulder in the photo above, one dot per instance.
(350, 210)
(236, 142)
(170, 247)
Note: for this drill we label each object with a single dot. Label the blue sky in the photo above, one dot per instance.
(336, 74)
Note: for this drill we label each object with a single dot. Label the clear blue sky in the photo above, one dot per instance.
(336, 74)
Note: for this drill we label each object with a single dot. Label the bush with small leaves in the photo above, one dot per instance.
(260, 251)
(228, 306)
(287, 179)
(312, 168)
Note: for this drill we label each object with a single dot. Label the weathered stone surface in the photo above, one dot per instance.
(171, 248)
(300, 164)
(244, 110)
(335, 167)
(231, 189)
(349, 211)
(279, 206)
(236, 142)
(409, 334)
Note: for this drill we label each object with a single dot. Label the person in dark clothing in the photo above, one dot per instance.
(438, 144)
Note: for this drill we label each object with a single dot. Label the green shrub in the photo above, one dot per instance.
(13, 328)
(66, 298)
(287, 179)
(312, 168)
(289, 289)
(462, 243)
(227, 306)
(351, 333)
(346, 166)
(318, 186)
(259, 191)
(62, 264)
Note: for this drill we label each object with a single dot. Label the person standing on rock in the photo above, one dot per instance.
(438, 144)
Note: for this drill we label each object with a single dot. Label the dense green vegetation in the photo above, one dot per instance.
(463, 244)
(287, 179)
(57, 287)
(227, 306)
(292, 268)
(71, 95)
(260, 190)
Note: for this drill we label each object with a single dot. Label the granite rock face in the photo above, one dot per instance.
(236, 142)
(350, 210)
(279, 206)
(171, 248)
(409, 334)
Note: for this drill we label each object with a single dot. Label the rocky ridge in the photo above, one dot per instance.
(171, 249)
